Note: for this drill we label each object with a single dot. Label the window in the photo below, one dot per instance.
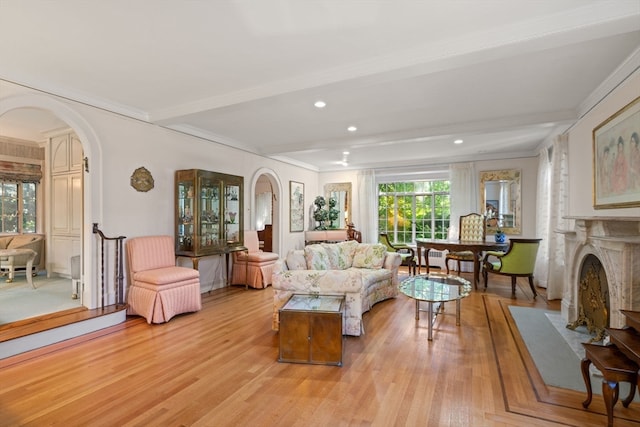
(17, 207)
(414, 210)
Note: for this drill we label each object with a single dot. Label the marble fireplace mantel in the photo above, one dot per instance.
(615, 241)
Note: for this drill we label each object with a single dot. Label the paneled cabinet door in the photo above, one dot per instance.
(66, 153)
(66, 215)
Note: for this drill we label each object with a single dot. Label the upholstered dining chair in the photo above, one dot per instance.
(159, 289)
(518, 261)
(254, 267)
(407, 253)
(472, 229)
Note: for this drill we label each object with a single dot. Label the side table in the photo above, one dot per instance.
(311, 330)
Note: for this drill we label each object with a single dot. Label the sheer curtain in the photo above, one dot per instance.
(367, 205)
(464, 198)
(464, 193)
(263, 210)
(552, 205)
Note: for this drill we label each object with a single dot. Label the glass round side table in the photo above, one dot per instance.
(433, 289)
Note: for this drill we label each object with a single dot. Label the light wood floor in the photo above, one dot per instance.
(218, 367)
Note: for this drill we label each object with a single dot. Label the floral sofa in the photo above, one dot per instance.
(364, 273)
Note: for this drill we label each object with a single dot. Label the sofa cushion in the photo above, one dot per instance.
(316, 257)
(4, 241)
(21, 240)
(295, 260)
(369, 255)
(340, 254)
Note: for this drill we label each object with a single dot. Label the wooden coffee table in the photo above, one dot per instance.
(311, 329)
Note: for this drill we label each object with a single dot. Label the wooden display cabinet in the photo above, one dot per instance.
(209, 213)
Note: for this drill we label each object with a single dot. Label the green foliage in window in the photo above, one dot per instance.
(414, 209)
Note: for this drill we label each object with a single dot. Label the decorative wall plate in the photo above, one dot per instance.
(141, 179)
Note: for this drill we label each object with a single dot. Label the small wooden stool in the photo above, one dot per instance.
(615, 367)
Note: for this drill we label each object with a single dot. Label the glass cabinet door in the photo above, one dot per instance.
(185, 201)
(209, 212)
(232, 219)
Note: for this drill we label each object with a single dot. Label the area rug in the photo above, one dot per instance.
(18, 300)
(556, 350)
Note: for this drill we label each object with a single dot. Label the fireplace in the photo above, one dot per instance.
(615, 243)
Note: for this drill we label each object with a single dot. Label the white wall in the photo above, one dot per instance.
(120, 145)
(581, 151)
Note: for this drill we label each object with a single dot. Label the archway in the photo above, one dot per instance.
(265, 174)
(92, 206)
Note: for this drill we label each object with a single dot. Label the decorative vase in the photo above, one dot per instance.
(500, 237)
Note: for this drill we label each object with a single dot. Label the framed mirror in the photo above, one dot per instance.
(500, 193)
(341, 192)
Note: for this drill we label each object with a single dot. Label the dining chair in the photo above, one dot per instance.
(472, 229)
(407, 253)
(518, 261)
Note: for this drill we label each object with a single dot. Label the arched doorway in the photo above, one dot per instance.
(92, 180)
(265, 185)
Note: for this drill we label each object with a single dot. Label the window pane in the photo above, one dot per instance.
(414, 209)
(9, 200)
(28, 207)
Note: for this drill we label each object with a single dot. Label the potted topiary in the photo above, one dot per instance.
(320, 214)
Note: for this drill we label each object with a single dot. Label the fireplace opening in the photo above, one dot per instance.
(593, 298)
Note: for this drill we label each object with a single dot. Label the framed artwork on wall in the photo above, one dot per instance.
(296, 206)
(616, 159)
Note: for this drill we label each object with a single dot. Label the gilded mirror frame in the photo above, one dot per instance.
(337, 188)
(512, 178)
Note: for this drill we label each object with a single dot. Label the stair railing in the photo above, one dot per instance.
(118, 266)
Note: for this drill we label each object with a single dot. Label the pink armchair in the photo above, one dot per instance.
(255, 268)
(158, 288)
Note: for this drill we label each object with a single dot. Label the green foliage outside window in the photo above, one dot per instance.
(17, 207)
(414, 209)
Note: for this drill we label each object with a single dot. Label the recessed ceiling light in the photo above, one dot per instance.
(352, 128)
(458, 141)
(320, 104)
(346, 153)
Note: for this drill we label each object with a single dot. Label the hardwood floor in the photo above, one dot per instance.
(218, 367)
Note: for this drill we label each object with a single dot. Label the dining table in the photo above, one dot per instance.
(456, 245)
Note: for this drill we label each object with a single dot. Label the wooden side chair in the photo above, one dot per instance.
(407, 253)
(472, 229)
(518, 261)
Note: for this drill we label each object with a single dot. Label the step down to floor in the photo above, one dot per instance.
(29, 334)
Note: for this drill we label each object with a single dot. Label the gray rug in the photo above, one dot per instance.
(556, 350)
(18, 300)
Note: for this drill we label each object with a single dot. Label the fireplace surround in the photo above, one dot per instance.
(615, 241)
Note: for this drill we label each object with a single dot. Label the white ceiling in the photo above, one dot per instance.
(413, 76)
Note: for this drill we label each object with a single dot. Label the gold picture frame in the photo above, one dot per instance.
(616, 159)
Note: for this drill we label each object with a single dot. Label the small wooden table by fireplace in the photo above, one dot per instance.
(311, 330)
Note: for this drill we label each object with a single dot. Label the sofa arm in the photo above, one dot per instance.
(280, 267)
(392, 261)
